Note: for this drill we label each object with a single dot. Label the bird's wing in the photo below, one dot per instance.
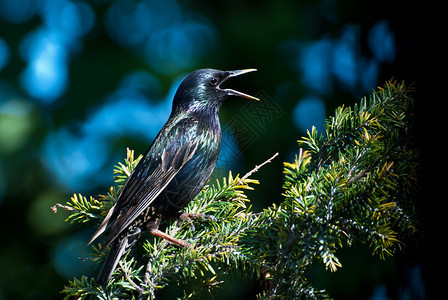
(171, 163)
(148, 180)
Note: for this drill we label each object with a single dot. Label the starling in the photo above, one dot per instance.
(174, 169)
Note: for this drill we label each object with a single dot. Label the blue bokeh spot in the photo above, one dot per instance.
(46, 75)
(310, 111)
(382, 42)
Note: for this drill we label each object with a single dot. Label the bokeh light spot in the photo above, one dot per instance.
(46, 75)
(71, 256)
(315, 64)
(16, 125)
(345, 58)
(72, 18)
(382, 42)
(310, 111)
(43, 221)
(124, 22)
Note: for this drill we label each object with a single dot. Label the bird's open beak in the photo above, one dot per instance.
(236, 93)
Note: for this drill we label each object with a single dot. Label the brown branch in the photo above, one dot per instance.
(256, 168)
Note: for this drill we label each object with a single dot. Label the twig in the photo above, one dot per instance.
(65, 207)
(256, 168)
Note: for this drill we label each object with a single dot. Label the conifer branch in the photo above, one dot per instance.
(355, 182)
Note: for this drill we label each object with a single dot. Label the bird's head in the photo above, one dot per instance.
(202, 89)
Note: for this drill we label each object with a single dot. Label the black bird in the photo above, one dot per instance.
(175, 167)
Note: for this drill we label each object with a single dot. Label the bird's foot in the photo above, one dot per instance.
(172, 240)
(188, 217)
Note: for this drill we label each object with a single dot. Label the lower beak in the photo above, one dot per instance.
(236, 93)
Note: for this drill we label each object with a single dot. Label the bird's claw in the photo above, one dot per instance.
(188, 217)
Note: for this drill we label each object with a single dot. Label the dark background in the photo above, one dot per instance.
(82, 80)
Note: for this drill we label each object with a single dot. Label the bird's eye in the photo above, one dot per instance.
(214, 81)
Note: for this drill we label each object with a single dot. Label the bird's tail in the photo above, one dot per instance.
(117, 249)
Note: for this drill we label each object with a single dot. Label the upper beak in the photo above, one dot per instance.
(236, 93)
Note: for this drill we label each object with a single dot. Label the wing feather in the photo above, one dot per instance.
(142, 188)
(162, 178)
